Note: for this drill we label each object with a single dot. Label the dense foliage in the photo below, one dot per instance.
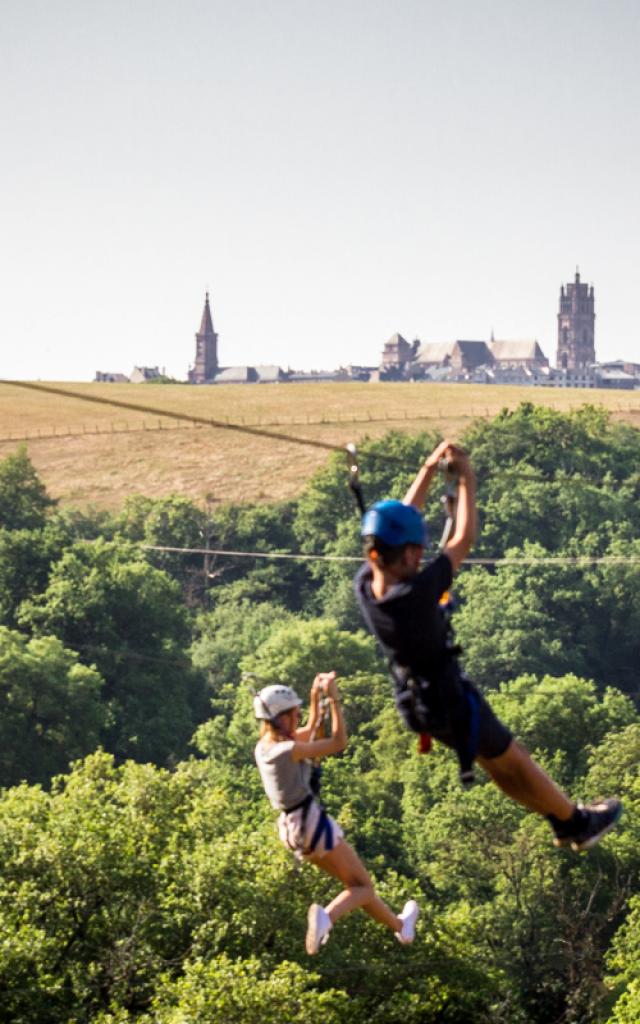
(144, 884)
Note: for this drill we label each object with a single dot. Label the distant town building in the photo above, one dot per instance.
(492, 361)
(522, 375)
(206, 364)
(611, 376)
(142, 374)
(455, 357)
(576, 326)
(398, 353)
(249, 375)
(632, 369)
(110, 378)
(356, 371)
(514, 355)
(468, 355)
(269, 374)
(434, 354)
(234, 375)
(316, 376)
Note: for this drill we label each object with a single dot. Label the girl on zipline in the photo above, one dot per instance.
(402, 604)
(283, 754)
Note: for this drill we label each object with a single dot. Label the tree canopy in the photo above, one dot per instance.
(142, 881)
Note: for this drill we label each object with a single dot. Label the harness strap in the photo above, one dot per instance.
(303, 803)
(449, 500)
(467, 748)
(412, 700)
(322, 826)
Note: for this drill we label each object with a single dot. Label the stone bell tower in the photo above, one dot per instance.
(206, 363)
(576, 326)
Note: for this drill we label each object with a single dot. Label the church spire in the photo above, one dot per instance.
(206, 362)
(206, 325)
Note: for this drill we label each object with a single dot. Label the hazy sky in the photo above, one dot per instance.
(332, 172)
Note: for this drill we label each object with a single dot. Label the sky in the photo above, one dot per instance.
(331, 172)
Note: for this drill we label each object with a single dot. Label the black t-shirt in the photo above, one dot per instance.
(408, 620)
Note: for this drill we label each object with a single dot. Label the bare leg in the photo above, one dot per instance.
(518, 775)
(344, 864)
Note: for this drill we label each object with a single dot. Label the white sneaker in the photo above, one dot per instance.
(318, 928)
(409, 916)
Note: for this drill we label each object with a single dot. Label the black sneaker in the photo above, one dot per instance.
(561, 840)
(565, 829)
(601, 817)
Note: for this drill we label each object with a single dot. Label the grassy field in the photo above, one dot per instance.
(94, 454)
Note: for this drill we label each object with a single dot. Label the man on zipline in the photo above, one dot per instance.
(402, 605)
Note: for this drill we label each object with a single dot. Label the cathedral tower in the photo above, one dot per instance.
(576, 326)
(206, 364)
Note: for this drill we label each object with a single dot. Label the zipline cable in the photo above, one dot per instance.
(573, 560)
(187, 417)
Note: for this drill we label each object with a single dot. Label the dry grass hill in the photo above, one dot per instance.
(97, 454)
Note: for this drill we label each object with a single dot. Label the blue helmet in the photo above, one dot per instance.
(394, 523)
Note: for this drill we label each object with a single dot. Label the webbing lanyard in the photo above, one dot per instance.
(449, 497)
(321, 730)
(354, 477)
(449, 500)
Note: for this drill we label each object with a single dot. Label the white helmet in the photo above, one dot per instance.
(274, 700)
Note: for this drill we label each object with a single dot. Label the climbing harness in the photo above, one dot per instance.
(456, 712)
(293, 828)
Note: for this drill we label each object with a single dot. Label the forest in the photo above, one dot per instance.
(141, 878)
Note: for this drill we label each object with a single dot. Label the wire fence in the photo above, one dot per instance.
(58, 432)
(440, 414)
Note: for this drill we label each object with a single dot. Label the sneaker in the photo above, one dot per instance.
(409, 916)
(561, 840)
(565, 830)
(601, 818)
(318, 928)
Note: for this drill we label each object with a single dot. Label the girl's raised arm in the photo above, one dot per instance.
(310, 748)
(308, 731)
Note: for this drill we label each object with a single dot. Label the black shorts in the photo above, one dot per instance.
(493, 736)
(442, 709)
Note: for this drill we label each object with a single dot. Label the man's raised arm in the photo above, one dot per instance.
(418, 490)
(466, 528)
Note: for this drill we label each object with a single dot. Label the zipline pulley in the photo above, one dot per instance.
(354, 476)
